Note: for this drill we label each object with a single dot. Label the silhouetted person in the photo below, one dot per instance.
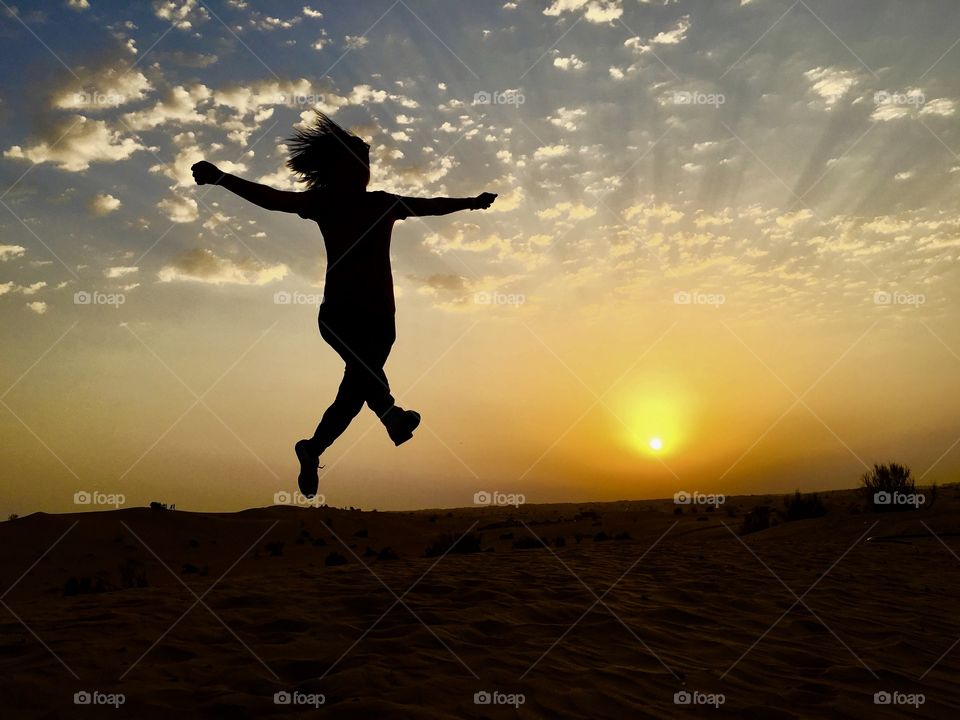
(357, 313)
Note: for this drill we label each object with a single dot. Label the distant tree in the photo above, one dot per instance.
(890, 487)
(801, 507)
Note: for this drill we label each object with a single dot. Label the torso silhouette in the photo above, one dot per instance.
(356, 229)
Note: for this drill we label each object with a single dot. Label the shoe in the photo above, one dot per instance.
(400, 424)
(309, 478)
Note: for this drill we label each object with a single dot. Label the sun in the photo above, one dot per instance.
(656, 415)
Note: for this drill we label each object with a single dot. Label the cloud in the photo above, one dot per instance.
(595, 11)
(568, 63)
(179, 209)
(675, 36)
(180, 105)
(311, 13)
(830, 83)
(356, 42)
(666, 213)
(102, 90)
(78, 4)
(11, 251)
(76, 143)
(120, 271)
(271, 23)
(188, 153)
(551, 151)
(508, 201)
(567, 118)
(567, 210)
(103, 204)
(464, 238)
(201, 265)
(38, 307)
(31, 289)
(181, 13)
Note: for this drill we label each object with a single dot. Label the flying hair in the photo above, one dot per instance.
(325, 155)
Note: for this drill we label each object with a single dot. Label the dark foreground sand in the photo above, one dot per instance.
(391, 633)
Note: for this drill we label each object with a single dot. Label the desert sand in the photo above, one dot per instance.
(360, 614)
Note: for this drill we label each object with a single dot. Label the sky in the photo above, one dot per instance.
(723, 257)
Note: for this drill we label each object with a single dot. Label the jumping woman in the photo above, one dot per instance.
(357, 313)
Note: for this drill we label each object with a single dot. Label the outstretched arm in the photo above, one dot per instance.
(418, 207)
(266, 197)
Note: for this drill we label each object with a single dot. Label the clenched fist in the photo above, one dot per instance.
(205, 173)
(483, 201)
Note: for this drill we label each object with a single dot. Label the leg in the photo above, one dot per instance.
(341, 334)
(342, 410)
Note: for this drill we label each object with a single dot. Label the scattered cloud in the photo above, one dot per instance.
(202, 265)
(830, 83)
(76, 143)
(104, 204)
(120, 271)
(11, 251)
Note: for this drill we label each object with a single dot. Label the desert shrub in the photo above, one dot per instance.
(361, 533)
(886, 484)
(560, 541)
(756, 520)
(335, 558)
(12, 516)
(86, 586)
(802, 507)
(387, 554)
(274, 548)
(601, 537)
(455, 545)
(622, 536)
(529, 542)
(132, 574)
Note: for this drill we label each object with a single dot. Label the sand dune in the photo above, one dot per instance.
(210, 615)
